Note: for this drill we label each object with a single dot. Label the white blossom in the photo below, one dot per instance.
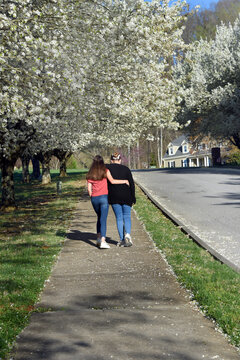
(208, 82)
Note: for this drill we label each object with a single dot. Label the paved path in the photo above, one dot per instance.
(204, 201)
(121, 303)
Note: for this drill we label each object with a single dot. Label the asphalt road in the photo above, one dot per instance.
(205, 200)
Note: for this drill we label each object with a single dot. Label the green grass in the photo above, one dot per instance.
(214, 286)
(30, 240)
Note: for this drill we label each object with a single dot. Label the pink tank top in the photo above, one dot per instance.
(99, 187)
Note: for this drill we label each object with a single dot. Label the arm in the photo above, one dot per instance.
(132, 187)
(89, 187)
(115, 181)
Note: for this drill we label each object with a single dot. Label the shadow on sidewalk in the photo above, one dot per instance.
(75, 335)
(87, 237)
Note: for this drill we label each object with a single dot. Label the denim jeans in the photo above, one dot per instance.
(100, 205)
(123, 218)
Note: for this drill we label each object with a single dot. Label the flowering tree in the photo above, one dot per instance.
(74, 71)
(209, 86)
(36, 95)
(129, 85)
(28, 48)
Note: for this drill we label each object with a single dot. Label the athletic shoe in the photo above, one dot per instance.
(98, 242)
(128, 239)
(104, 245)
(124, 243)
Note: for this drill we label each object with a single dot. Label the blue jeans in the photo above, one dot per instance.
(123, 218)
(100, 205)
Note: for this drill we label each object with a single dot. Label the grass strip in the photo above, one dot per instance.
(30, 240)
(215, 287)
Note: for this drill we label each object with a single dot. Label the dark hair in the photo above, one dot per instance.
(116, 156)
(97, 170)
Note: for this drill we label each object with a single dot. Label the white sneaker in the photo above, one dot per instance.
(128, 239)
(104, 245)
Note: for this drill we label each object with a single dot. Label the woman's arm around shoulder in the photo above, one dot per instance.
(115, 181)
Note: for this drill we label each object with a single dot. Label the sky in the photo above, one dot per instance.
(205, 4)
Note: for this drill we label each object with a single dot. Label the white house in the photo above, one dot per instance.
(182, 153)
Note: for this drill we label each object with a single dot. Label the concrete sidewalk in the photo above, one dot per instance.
(121, 303)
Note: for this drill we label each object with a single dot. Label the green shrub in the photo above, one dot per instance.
(153, 160)
(72, 163)
(234, 158)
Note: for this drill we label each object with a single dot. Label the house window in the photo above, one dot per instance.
(171, 151)
(171, 164)
(185, 148)
(201, 147)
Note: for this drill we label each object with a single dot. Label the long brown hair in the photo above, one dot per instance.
(97, 170)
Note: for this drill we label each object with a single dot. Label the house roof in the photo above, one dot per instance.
(178, 153)
(178, 141)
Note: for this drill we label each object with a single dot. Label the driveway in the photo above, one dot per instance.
(204, 201)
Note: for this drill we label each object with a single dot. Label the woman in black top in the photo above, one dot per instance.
(121, 197)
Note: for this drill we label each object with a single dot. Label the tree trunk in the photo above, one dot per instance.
(63, 168)
(63, 157)
(36, 168)
(63, 164)
(8, 197)
(148, 153)
(25, 170)
(129, 156)
(138, 155)
(134, 158)
(235, 140)
(46, 176)
(161, 149)
(159, 146)
(45, 159)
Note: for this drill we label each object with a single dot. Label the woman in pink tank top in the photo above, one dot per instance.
(98, 191)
